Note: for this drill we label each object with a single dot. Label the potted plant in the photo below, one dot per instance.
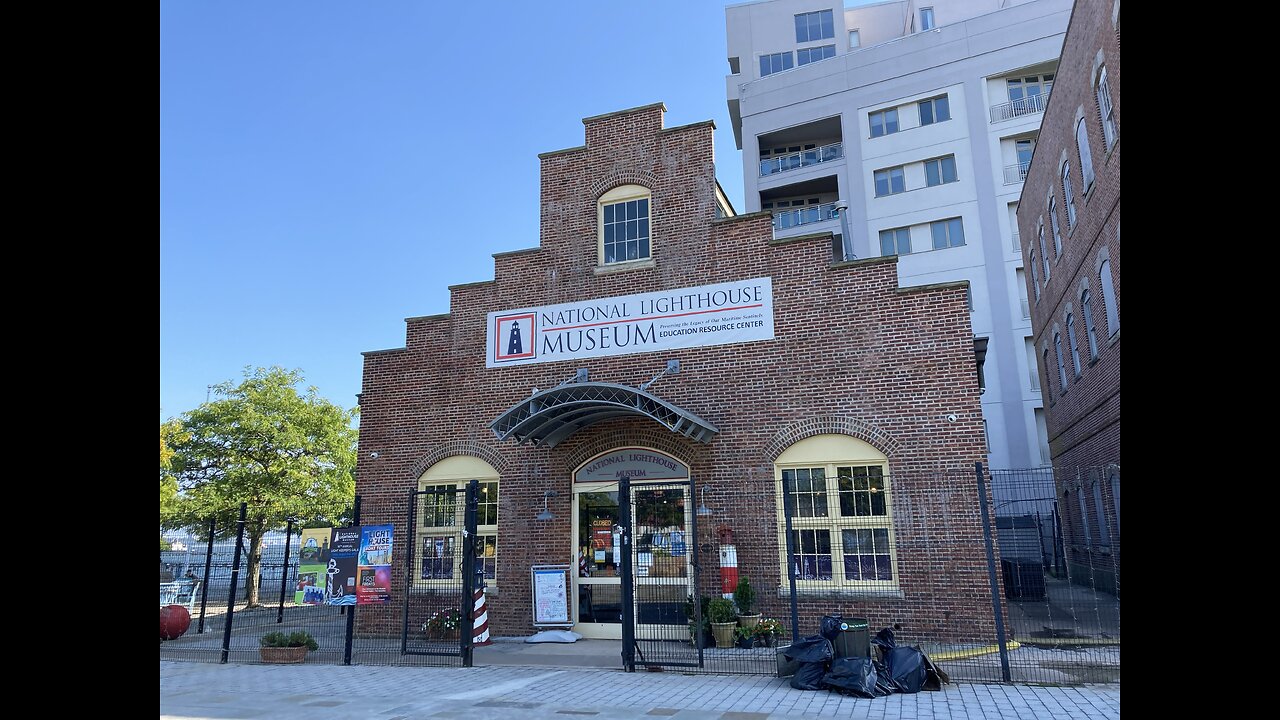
(766, 632)
(745, 598)
(743, 638)
(721, 613)
(442, 625)
(279, 647)
(699, 636)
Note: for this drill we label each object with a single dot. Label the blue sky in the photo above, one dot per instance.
(328, 169)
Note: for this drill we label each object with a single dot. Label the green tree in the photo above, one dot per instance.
(285, 454)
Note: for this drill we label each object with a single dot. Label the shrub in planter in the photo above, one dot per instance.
(720, 611)
(279, 647)
(744, 596)
(743, 638)
(766, 632)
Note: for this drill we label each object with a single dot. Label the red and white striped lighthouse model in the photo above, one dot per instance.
(728, 570)
(480, 626)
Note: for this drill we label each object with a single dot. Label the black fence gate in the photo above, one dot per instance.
(440, 572)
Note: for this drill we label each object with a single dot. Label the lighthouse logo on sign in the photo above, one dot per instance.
(514, 337)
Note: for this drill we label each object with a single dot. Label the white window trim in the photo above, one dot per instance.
(456, 471)
(621, 194)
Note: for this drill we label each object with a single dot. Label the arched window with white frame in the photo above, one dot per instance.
(1109, 298)
(1106, 110)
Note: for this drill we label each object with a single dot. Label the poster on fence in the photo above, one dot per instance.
(344, 545)
(312, 561)
(374, 566)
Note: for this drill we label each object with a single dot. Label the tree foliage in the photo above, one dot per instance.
(261, 442)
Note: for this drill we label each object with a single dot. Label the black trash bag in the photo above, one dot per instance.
(813, 649)
(884, 641)
(809, 676)
(935, 677)
(853, 675)
(906, 667)
(829, 628)
(884, 684)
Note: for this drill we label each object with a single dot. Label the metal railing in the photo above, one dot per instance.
(1014, 174)
(1026, 309)
(804, 158)
(784, 218)
(1017, 108)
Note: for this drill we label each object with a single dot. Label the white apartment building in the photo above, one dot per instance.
(921, 118)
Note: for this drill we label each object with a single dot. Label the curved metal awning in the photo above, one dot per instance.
(550, 416)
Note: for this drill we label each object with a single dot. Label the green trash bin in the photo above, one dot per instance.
(854, 639)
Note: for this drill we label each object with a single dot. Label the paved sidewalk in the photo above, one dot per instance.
(321, 692)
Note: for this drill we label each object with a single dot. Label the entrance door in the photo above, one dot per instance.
(598, 589)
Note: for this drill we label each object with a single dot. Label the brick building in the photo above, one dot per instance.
(547, 383)
(1069, 218)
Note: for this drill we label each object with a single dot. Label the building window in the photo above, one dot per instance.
(890, 181)
(1086, 158)
(1071, 342)
(1044, 255)
(1062, 368)
(947, 233)
(1035, 277)
(926, 18)
(441, 515)
(934, 110)
(895, 242)
(1048, 379)
(1109, 298)
(1027, 91)
(1084, 517)
(1115, 499)
(1068, 195)
(884, 122)
(855, 39)
(1086, 305)
(804, 56)
(940, 170)
(815, 26)
(843, 533)
(1104, 531)
(624, 224)
(777, 62)
(1106, 110)
(1057, 227)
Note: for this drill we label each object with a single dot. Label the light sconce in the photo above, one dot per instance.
(546, 513)
(703, 510)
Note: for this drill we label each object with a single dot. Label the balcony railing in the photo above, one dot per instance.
(1035, 380)
(1026, 309)
(1017, 245)
(1014, 174)
(1028, 105)
(784, 218)
(804, 158)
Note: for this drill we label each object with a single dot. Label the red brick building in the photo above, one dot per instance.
(1069, 220)
(859, 392)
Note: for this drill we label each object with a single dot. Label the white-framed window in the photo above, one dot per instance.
(940, 171)
(775, 62)
(1044, 250)
(890, 181)
(947, 233)
(1086, 307)
(934, 110)
(1035, 277)
(884, 122)
(1109, 298)
(1048, 378)
(804, 56)
(1104, 530)
(843, 533)
(1106, 110)
(895, 242)
(1028, 90)
(1068, 195)
(813, 26)
(1086, 157)
(624, 225)
(855, 39)
(438, 533)
(1057, 228)
(926, 19)
(1062, 368)
(1071, 342)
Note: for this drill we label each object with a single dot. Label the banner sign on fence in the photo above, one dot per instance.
(721, 314)
(344, 545)
(374, 587)
(312, 562)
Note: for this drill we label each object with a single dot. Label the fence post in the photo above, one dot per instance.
(695, 550)
(628, 584)
(351, 616)
(467, 624)
(410, 547)
(787, 512)
(208, 567)
(991, 575)
(284, 574)
(235, 577)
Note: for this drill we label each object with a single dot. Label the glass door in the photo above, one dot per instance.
(663, 554)
(598, 586)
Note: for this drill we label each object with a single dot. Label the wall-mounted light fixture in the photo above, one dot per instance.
(703, 510)
(546, 513)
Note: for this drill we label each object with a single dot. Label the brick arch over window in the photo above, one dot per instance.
(459, 447)
(623, 177)
(832, 425)
(658, 438)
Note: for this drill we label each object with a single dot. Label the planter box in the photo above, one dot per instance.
(282, 655)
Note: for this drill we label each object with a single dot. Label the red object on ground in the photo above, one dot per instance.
(174, 621)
